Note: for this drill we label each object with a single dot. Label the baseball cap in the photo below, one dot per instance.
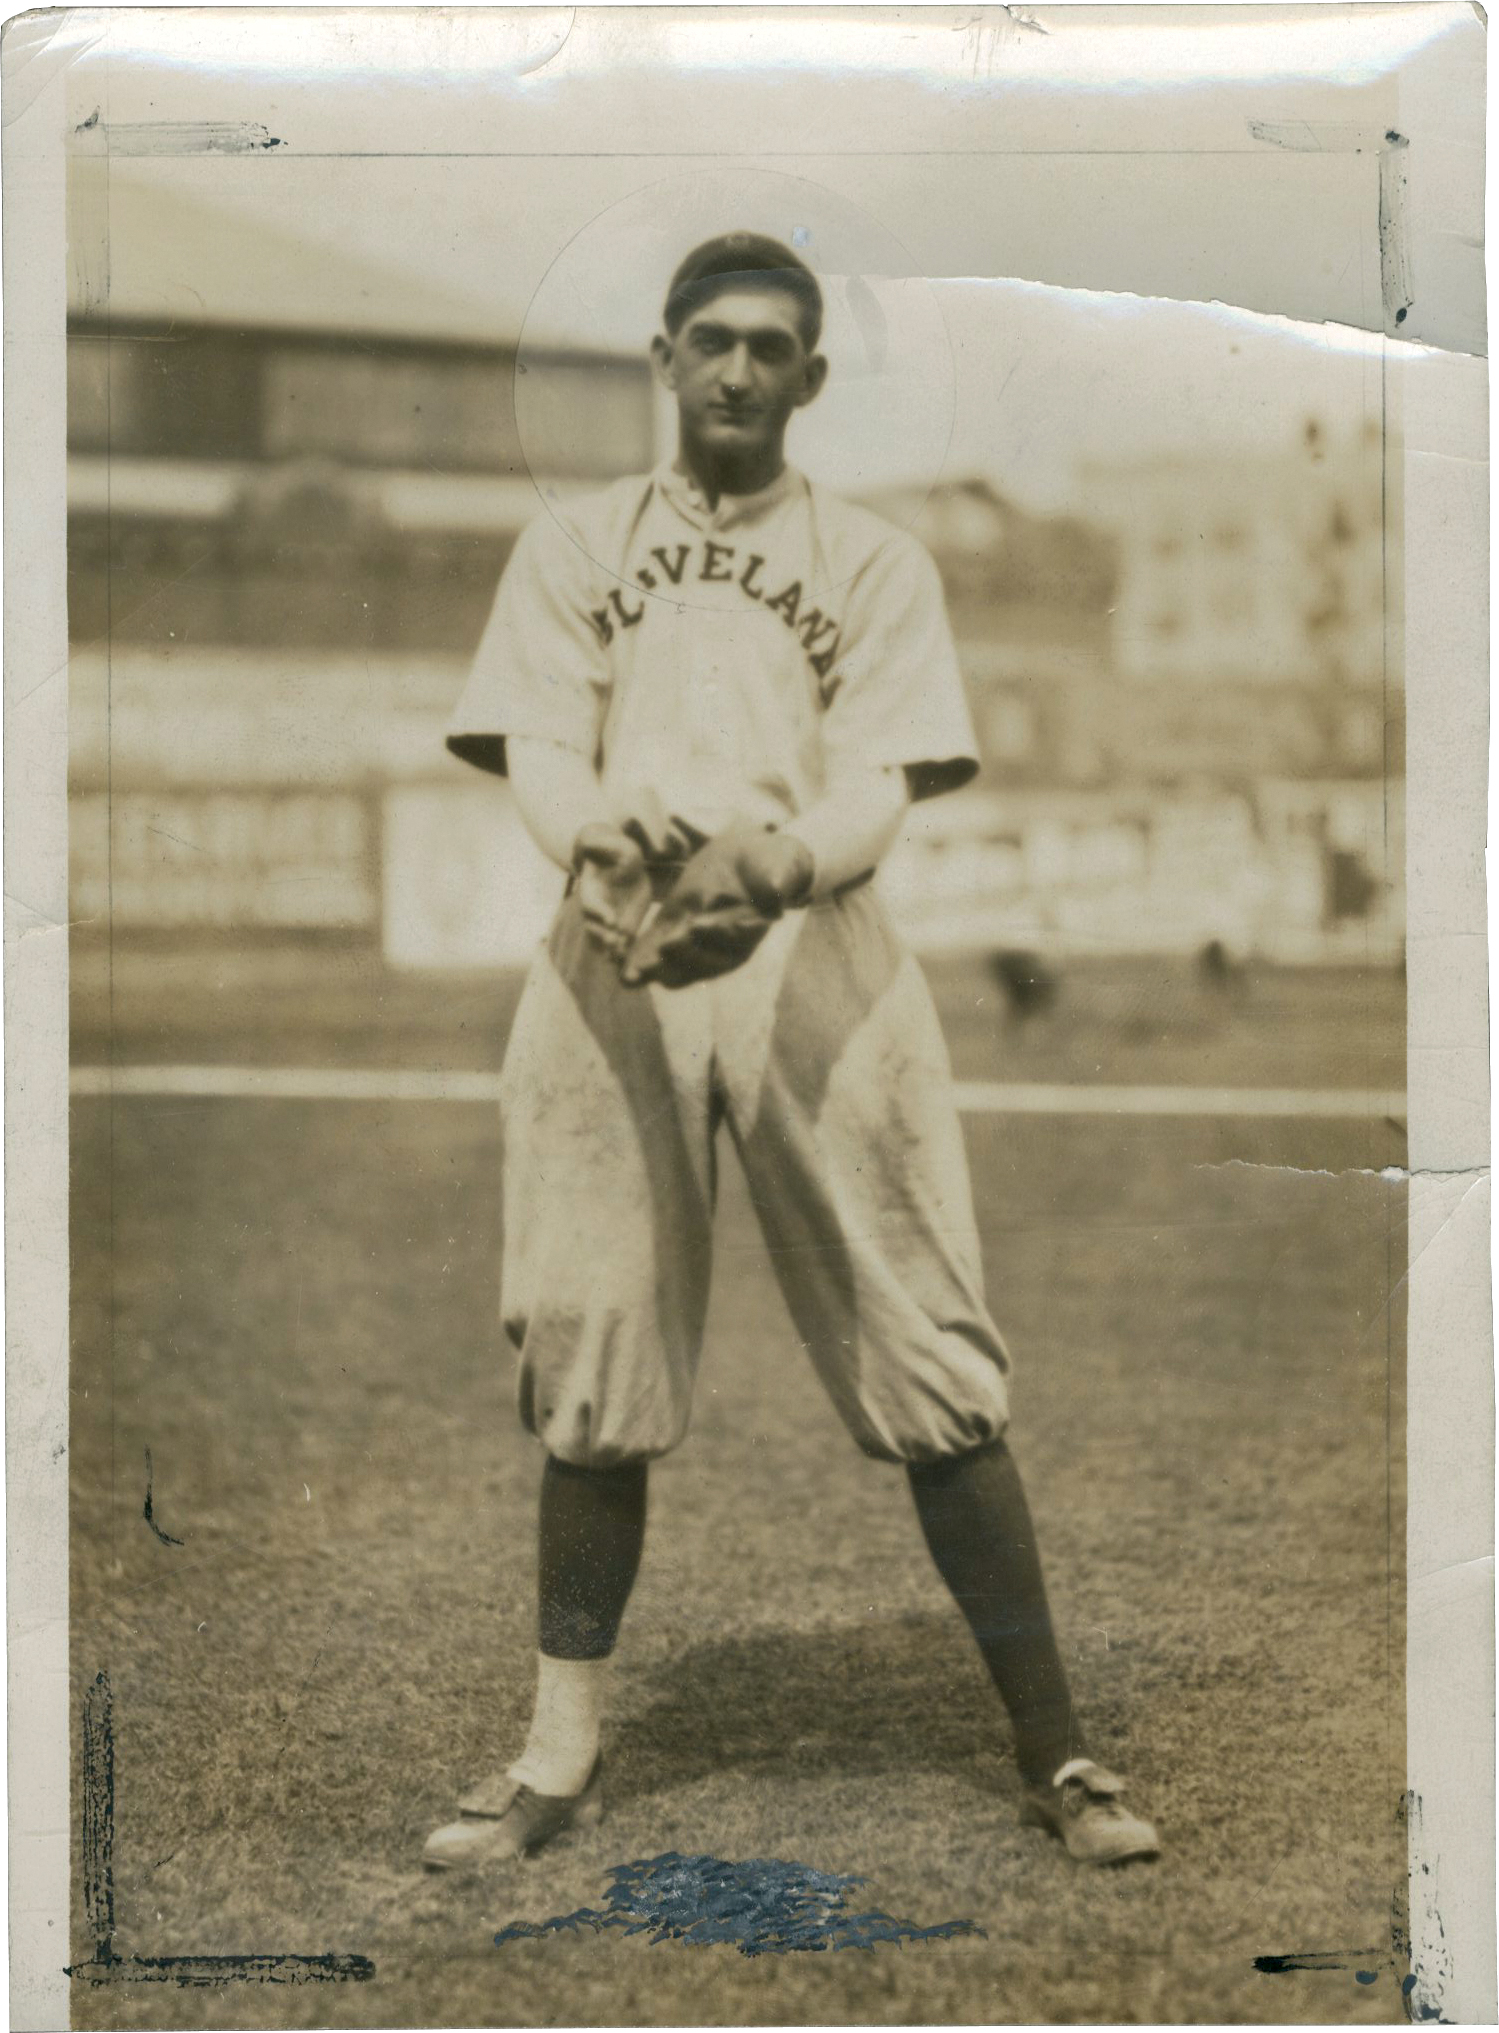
(734, 259)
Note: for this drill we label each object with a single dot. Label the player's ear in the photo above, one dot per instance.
(664, 360)
(812, 380)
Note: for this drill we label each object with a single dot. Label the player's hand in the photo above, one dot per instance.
(720, 907)
(614, 886)
(660, 834)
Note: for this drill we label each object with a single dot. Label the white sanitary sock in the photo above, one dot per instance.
(565, 1725)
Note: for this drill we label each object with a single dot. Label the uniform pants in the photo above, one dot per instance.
(824, 1057)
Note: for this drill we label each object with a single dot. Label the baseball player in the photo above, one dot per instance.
(715, 690)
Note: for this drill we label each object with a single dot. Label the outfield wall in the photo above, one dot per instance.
(241, 792)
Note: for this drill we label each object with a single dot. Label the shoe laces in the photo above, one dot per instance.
(1078, 1796)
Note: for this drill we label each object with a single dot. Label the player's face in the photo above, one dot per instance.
(739, 367)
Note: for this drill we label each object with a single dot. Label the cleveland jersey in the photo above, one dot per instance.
(732, 659)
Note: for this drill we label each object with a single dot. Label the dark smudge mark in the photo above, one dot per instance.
(760, 1907)
(148, 1510)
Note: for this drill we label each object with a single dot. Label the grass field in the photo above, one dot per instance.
(293, 1307)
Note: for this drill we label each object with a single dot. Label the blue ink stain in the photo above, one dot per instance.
(760, 1907)
(1366, 1976)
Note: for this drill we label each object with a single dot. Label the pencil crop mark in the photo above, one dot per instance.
(1356, 1959)
(105, 1967)
(182, 137)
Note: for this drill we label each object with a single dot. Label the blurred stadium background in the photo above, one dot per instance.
(285, 530)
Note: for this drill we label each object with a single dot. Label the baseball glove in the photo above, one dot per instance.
(729, 894)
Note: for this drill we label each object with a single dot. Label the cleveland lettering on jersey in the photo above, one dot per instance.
(717, 564)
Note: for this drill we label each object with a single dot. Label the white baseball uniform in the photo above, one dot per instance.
(734, 660)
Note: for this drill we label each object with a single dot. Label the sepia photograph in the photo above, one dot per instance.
(739, 981)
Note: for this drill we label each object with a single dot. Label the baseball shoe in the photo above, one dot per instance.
(502, 1819)
(1082, 1806)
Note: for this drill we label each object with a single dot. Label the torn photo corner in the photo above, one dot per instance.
(956, 1420)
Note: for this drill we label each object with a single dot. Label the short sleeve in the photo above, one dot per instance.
(896, 692)
(539, 669)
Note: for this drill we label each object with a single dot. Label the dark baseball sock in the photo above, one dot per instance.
(592, 1529)
(977, 1523)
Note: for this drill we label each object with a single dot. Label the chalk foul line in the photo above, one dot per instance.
(974, 1097)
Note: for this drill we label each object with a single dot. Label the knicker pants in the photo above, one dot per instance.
(824, 1057)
